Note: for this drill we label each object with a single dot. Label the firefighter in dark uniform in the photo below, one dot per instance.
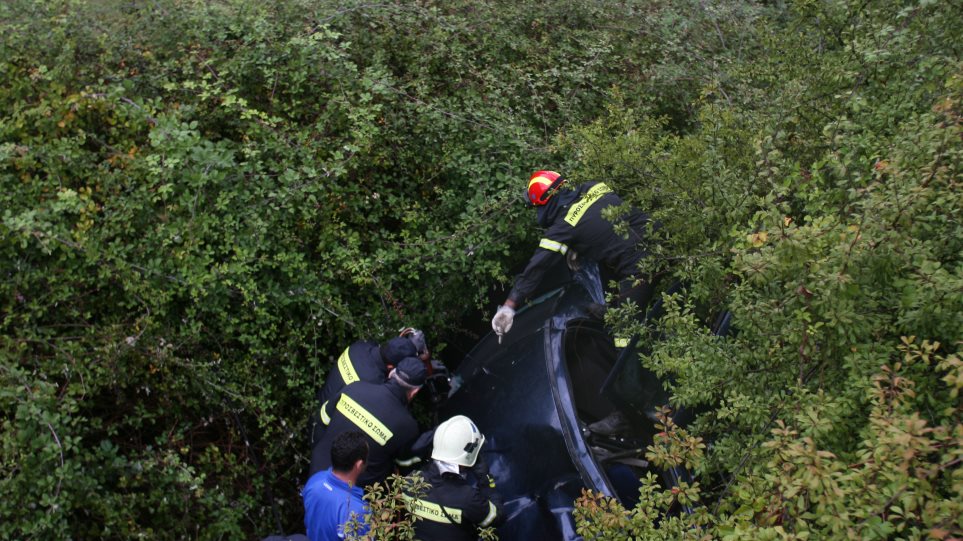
(461, 495)
(573, 221)
(380, 411)
(366, 361)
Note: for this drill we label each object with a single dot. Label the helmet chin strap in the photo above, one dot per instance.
(551, 188)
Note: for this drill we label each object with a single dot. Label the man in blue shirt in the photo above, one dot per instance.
(332, 497)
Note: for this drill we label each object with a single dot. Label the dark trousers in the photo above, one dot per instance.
(640, 293)
(636, 391)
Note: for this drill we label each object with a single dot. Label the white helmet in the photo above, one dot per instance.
(457, 441)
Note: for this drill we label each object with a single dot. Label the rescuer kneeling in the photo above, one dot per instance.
(366, 361)
(380, 412)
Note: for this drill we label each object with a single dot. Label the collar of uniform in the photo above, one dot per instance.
(547, 213)
(435, 471)
(447, 467)
(398, 391)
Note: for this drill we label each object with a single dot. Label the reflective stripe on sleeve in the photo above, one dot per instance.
(346, 369)
(552, 245)
(621, 342)
(325, 418)
(492, 513)
(364, 420)
(577, 210)
(408, 462)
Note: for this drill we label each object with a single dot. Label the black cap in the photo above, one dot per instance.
(412, 371)
(395, 350)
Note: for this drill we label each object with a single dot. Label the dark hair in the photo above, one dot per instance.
(346, 449)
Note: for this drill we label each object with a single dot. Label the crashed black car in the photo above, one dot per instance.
(533, 396)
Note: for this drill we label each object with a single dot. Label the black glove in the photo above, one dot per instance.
(422, 446)
(480, 471)
(481, 466)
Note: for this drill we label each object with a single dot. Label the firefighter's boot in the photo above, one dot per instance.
(613, 424)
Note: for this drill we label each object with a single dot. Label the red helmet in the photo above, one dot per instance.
(542, 185)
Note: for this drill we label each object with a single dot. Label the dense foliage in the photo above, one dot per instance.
(818, 197)
(204, 201)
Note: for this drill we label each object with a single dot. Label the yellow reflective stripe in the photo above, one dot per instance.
(432, 511)
(325, 418)
(621, 342)
(578, 209)
(346, 368)
(541, 180)
(492, 513)
(364, 420)
(409, 462)
(552, 245)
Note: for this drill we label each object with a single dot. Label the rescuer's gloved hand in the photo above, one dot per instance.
(480, 468)
(502, 322)
(480, 471)
(571, 258)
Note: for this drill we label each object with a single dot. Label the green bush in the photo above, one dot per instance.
(818, 201)
(204, 201)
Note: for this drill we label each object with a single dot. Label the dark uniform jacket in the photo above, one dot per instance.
(380, 412)
(454, 508)
(573, 221)
(360, 361)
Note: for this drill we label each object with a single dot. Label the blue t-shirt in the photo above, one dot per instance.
(328, 505)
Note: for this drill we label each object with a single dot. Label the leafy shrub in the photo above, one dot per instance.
(824, 213)
(204, 201)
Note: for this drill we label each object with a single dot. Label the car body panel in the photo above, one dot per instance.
(520, 395)
(533, 404)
